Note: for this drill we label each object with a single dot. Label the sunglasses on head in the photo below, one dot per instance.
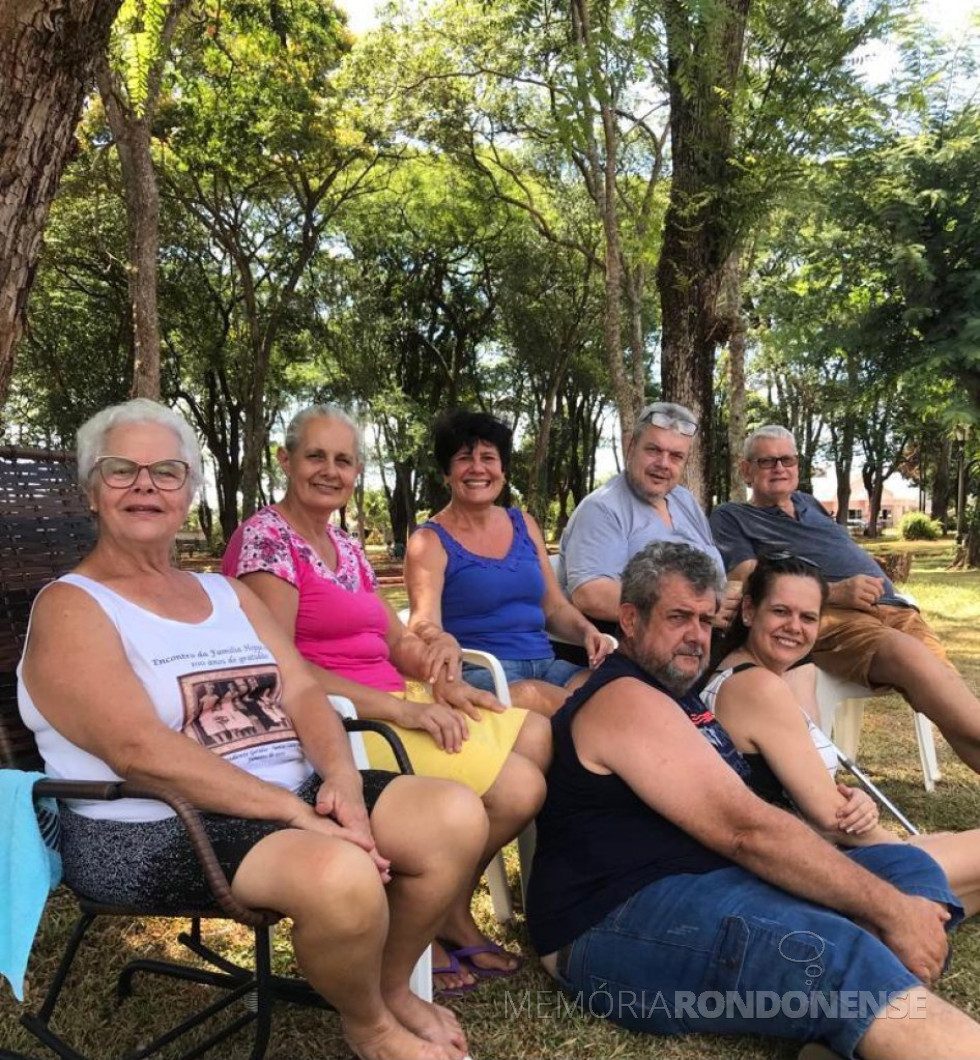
(784, 556)
(668, 422)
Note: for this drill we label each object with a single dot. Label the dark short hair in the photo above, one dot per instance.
(462, 429)
(758, 585)
(644, 574)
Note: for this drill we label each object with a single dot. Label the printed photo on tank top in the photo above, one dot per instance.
(237, 712)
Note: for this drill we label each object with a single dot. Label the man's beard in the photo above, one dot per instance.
(642, 492)
(670, 676)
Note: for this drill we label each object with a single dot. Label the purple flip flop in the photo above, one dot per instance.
(452, 968)
(465, 954)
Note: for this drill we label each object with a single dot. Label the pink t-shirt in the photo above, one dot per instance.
(341, 623)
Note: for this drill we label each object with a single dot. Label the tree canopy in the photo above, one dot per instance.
(554, 211)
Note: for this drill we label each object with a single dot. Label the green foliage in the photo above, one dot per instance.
(76, 357)
(137, 44)
(917, 526)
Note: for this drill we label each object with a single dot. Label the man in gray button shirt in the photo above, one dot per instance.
(643, 503)
(868, 633)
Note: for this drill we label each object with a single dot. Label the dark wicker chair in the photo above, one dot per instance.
(45, 529)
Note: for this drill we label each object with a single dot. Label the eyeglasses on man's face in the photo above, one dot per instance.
(119, 473)
(767, 463)
(669, 423)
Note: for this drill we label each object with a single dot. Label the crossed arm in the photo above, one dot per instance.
(80, 679)
(760, 713)
(641, 735)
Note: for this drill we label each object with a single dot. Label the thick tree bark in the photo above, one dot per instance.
(700, 230)
(47, 52)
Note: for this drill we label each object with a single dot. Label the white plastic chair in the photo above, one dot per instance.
(554, 560)
(841, 707)
(421, 980)
(496, 871)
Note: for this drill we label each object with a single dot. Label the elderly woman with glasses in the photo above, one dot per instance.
(481, 573)
(793, 764)
(136, 670)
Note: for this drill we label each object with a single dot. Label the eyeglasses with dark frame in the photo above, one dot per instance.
(767, 463)
(667, 422)
(119, 473)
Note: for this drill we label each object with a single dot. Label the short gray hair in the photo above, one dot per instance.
(665, 408)
(770, 430)
(644, 574)
(294, 431)
(90, 440)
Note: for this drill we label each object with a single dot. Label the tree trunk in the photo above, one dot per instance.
(142, 199)
(843, 462)
(131, 126)
(48, 49)
(874, 485)
(703, 66)
(735, 487)
(942, 483)
(688, 354)
(401, 506)
(603, 190)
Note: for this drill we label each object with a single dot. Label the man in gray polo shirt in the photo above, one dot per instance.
(643, 503)
(868, 633)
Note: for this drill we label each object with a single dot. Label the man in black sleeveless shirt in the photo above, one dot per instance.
(669, 898)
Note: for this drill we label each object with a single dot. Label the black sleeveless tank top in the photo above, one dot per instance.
(598, 843)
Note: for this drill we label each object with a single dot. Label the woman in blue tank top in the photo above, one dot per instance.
(481, 573)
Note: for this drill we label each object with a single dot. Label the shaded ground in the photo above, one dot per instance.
(522, 1018)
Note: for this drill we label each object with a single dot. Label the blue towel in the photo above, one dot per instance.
(30, 868)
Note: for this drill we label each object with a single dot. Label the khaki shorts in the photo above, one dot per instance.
(849, 640)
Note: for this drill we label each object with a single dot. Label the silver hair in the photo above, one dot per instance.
(643, 575)
(665, 408)
(770, 430)
(90, 440)
(333, 412)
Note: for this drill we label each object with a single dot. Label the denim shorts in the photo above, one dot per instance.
(726, 953)
(551, 670)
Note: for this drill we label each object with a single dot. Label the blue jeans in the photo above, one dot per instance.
(726, 953)
(553, 671)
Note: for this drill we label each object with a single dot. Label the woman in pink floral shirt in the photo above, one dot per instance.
(319, 584)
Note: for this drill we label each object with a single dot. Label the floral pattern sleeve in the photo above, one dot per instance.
(267, 548)
(354, 570)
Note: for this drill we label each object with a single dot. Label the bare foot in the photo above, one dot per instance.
(435, 1023)
(389, 1040)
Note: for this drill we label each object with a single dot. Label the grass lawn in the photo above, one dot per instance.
(521, 1017)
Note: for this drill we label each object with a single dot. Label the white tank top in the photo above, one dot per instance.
(215, 681)
(821, 741)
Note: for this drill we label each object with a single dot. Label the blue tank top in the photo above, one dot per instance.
(494, 605)
(598, 843)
